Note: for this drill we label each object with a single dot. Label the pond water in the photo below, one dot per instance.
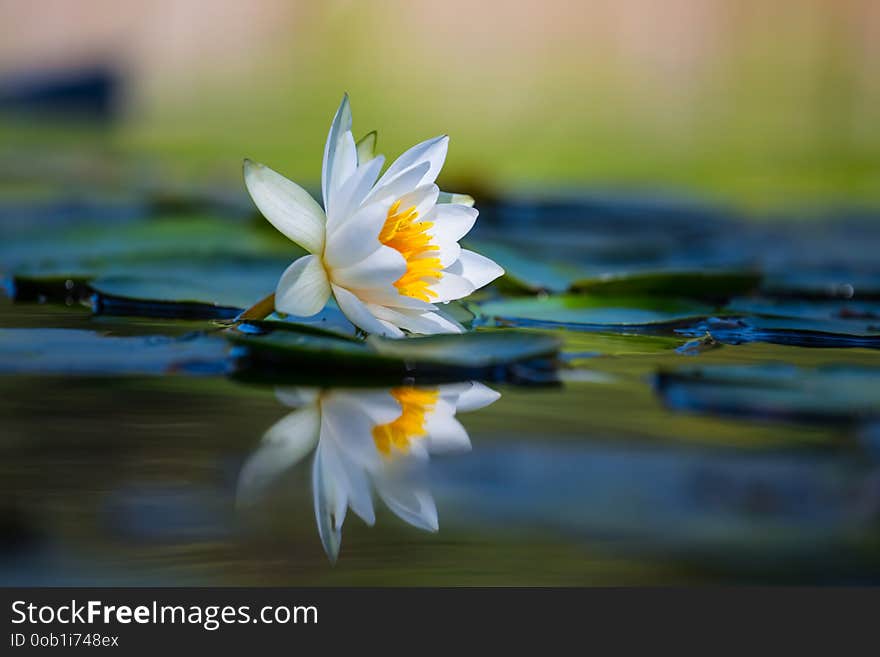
(658, 392)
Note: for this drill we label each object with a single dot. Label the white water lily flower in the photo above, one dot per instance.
(364, 440)
(386, 249)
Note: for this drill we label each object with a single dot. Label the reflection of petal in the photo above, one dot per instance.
(286, 443)
(296, 397)
(366, 439)
(329, 528)
(445, 433)
(409, 500)
(349, 478)
(379, 405)
(475, 397)
(345, 422)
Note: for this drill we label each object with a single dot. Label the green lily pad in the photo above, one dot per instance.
(185, 260)
(483, 354)
(711, 286)
(478, 349)
(79, 352)
(105, 248)
(594, 312)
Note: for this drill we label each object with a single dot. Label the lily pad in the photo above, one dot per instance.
(824, 284)
(479, 349)
(102, 248)
(790, 331)
(283, 353)
(815, 309)
(185, 260)
(716, 287)
(595, 312)
(79, 352)
(839, 394)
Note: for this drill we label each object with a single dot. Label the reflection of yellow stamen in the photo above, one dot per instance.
(415, 404)
(411, 239)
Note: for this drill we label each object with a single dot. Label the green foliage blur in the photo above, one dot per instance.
(739, 101)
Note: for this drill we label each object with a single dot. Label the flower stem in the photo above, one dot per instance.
(260, 310)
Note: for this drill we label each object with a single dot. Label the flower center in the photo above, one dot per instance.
(416, 404)
(411, 239)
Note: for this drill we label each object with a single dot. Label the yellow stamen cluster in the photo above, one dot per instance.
(416, 404)
(411, 239)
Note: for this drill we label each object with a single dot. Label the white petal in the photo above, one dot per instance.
(428, 323)
(421, 198)
(286, 205)
(347, 200)
(461, 199)
(356, 239)
(303, 289)
(388, 192)
(340, 125)
(478, 269)
(449, 253)
(388, 295)
(451, 221)
(380, 268)
(360, 316)
(344, 166)
(432, 151)
(372, 280)
(451, 287)
(285, 444)
(476, 397)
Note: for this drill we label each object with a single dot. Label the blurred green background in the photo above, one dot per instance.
(758, 103)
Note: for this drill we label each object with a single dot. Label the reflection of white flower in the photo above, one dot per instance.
(365, 440)
(387, 250)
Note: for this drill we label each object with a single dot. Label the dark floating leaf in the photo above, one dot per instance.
(837, 395)
(789, 331)
(829, 283)
(42, 289)
(815, 309)
(77, 352)
(280, 354)
(714, 287)
(62, 289)
(73, 290)
(183, 260)
(597, 313)
(232, 284)
(698, 345)
(329, 322)
(480, 349)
